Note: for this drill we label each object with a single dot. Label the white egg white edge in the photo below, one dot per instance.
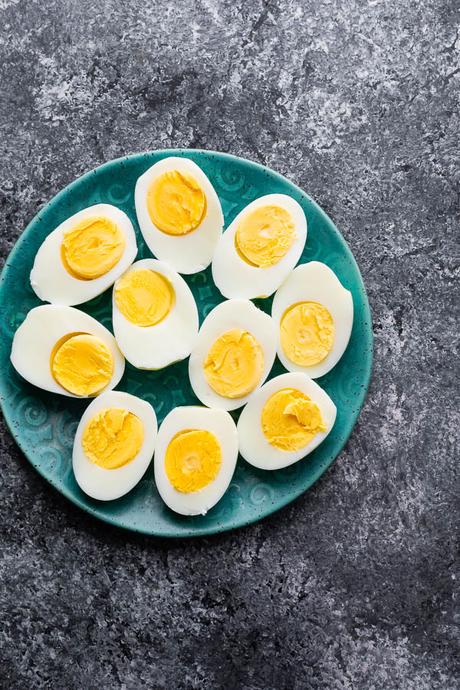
(107, 485)
(36, 337)
(237, 313)
(255, 448)
(319, 284)
(236, 278)
(50, 280)
(187, 253)
(171, 340)
(218, 422)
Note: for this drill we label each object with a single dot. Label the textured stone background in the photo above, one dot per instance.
(352, 587)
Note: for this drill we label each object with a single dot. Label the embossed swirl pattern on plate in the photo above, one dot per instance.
(44, 424)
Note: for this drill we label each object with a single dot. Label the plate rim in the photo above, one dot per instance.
(198, 531)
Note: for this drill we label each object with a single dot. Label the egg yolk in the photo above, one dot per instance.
(92, 248)
(290, 419)
(144, 297)
(176, 203)
(234, 364)
(82, 364)
(113, 438)
(307, 333)
(193, 460)
(265, 235)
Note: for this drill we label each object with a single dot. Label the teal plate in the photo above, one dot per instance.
(44, 424)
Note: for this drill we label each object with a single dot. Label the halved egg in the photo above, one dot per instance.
(113, 445)
(179, 214)
(313, 314)
(195, 458)
(260, 247)
(284, 421)
(233, 355)
(63, 350)
(155, 319)
(84, 255)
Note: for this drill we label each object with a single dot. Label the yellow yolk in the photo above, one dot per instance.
(234, 364)
(82, 364)
(113, 438)
(307, 333)
(144, 297)
(265, 235)
(176, 203)
(193, 460)
(290, 420)
(92, 248)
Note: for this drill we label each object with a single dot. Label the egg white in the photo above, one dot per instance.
(49, 278)
(235, 313)
(236, 278)
(187, 253)
(36, 337)
(170, 340)
(255, 448)
(316, 282)
(106, 485)
(219, 423)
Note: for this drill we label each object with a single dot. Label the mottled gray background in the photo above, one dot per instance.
(352, 587)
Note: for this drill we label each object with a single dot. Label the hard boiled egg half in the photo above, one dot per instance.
(113, 445)
(195, 458)
(155, 318)
(179, 214)
(84, 255)
(233, 355)
(284, 421)
(63, 350)
(260, 247)
(313, 314)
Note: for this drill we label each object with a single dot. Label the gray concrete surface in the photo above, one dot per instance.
(352, 587)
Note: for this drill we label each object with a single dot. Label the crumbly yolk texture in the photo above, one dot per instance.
(234, 364)
(193, 460)
(82, 364)
(290, 420)
(176, 203)
(113, 438)
(307, 333)
(265, 235)
(92, 248)
(144, 297)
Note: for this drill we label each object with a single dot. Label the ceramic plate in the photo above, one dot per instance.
(44, 424)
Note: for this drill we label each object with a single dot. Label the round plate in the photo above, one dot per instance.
(44, 424)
